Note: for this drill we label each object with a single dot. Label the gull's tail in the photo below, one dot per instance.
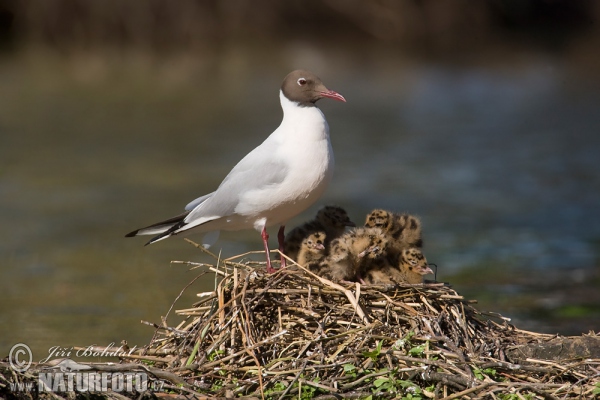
(162, 229)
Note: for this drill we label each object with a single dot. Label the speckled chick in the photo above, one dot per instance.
(411, 268)
(403, 230)
(411, 234)
(382, 219)
(413, 265)
(332, 220)
(351, 254)
(312, 251)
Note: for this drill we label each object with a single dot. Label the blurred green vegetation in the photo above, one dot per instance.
(562, 299)
(208, 25)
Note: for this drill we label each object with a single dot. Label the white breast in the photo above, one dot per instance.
(302, 140)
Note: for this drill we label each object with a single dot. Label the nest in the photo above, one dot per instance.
(294, 334)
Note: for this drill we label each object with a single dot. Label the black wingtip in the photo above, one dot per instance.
(132, 234)
(154, 239)
(159, 237)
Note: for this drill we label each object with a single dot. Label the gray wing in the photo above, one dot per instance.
(260, 169)
(194, 203)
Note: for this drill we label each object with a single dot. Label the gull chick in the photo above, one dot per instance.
(351, 254)
(413, 265)
(382, 219)
(403, 230)
(412, 230)
(312, 251)
(411, 268)
(332, 220)
(273, 183)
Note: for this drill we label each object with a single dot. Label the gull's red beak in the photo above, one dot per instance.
(333, 95)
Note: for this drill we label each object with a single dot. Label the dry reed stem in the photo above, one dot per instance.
(294, 333)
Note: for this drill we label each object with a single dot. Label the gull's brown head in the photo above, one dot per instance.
(305, 88)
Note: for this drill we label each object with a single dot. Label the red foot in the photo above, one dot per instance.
(265, 238)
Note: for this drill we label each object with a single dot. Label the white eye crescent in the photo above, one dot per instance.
(302, 81)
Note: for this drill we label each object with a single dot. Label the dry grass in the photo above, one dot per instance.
(294, 334)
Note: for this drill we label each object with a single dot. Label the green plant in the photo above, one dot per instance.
(411, 391)
(374, 355)
(417, 351)
(350, 370)
(386, 385)
(480, 374)
(277, 387)
(596, 390)
(403, 342)
(307, 392)
(216, 386)
(407, 343)
(214, 355)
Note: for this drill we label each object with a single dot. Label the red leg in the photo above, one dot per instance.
(281, 238)
(265, 238)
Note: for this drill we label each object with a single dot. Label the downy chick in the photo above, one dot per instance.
(401, 230)
(412, 230)
(332, 220)
(382, 219)
(312, 251)
(411, 268)
(350, 254)
(413, 265)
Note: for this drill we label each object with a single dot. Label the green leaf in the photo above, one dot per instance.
(213, 355)
(349, 367)
(380, 381)
(373, 355)
(417, 350)
(480, 374)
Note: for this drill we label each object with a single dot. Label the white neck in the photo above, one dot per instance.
(308, 121)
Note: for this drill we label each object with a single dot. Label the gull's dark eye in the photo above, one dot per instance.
(301, 81)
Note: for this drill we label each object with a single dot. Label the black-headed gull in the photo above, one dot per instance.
(276, 181)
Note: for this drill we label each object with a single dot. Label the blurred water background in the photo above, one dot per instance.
(480, 117)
